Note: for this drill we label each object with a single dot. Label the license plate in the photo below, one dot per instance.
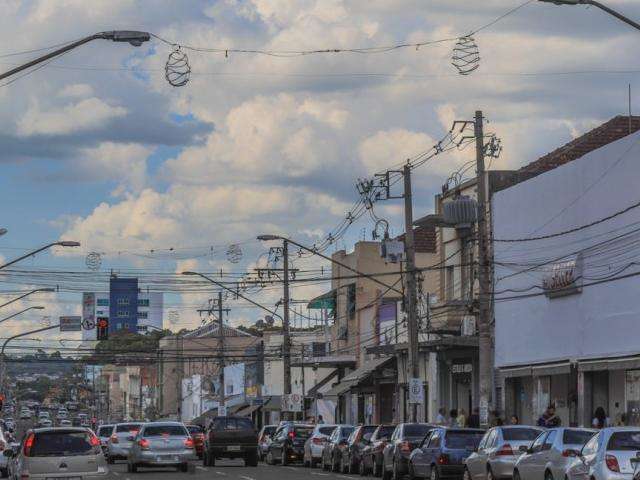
(166, 458)
(233, 448)
(63, 478)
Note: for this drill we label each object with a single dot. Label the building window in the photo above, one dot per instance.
(142, 328)
(102, 302)
(318, 349)
(143, 302)
(123, 301)
(123, 314)
(351, 299)
(143, 314)
(449, 282)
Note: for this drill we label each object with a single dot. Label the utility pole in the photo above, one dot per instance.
(221, 405)
(412, 307)
(286, 340)
(484, 277)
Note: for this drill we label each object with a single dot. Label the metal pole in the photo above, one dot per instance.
(412, 307)
(610, 11)
(484, 299)
(286, 341)
(221, 400)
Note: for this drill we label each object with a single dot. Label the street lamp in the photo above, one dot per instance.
(21, 311)
(597, 4)
(27, 294)
(62, 243)
(132, 37)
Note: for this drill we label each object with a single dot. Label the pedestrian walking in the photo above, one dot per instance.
(453, 418)
(600, 419)
(320, 420)
(462, 418)
(549, 419)
(441, 419)
(474, 419)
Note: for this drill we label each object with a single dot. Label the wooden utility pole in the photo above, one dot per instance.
(484, 278)
(221, 403)
(286, 340)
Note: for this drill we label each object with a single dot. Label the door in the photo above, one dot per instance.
(477, 462)
(527, 464)
(543, 458)
(432, 451)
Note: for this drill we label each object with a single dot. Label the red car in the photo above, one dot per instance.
(197, 433)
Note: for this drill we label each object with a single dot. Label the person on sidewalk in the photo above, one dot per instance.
(462, 418)
(474, 419)
(441, 419)
(549, 419)
(453, 418)
(600, 419)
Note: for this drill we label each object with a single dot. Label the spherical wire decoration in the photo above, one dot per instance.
(466, 55)
(174, 317)
(177, 70)
(234, 253)
(93, 261)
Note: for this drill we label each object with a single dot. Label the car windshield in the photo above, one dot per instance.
(415, 430)
(522, 434)
(195, 429)
(303, 432)
(128, 427)
(326, 430)
(462, 439)
(105, 430)
(61, 444)
(164, 430)
(576, 437)
(269, 430)
(624, 441)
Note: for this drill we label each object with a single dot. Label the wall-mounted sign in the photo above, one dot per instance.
(462, 368)
(565, 278)
(416, 391)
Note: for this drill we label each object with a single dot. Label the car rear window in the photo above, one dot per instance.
(415, 430)
(462, 439)
(128, 427)
(303, 432)
(386, 431)
(367, 431)
(269, 430)
(105, 431)
(326, 430)
(523, 434)
(195, 429)
(232, 424)
(624, 441)
(162, 430)
(61, 444)
(576, 437)
(346, 431)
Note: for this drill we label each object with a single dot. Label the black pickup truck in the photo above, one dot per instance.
(231, 437)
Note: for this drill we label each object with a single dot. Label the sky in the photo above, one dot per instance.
(97, 147)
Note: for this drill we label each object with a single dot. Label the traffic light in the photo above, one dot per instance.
(103, 328)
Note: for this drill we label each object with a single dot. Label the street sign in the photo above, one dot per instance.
(88, 324)
(71, 323)
(291, 403)
(416, 392)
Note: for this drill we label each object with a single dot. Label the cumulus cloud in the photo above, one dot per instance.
(86, 114)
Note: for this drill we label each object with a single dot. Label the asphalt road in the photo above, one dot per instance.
(230, 470)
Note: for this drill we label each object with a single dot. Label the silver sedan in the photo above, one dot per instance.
(161, 444)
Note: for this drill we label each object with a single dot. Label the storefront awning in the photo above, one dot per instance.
(551, 369)
(515, 372)
(247, 411)
(324, 301)
(358, 376)
(624, 363)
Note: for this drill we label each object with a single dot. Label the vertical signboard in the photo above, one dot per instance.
(88, 315)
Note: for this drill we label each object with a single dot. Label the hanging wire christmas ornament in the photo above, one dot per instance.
(93, 261)
(177, 70)
(234, 253)
(174, 317)
(466, 55)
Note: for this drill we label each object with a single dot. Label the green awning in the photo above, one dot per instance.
(326, 300)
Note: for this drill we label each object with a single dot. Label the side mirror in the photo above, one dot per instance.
(523, 449)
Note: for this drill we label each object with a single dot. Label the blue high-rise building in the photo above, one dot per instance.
(123, 304)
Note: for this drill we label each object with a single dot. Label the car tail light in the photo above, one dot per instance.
(405, 447)
(94, 441)
(28, 444)
(505, 450)
(443, 459)
(568, 452)
(199, 436)
(612, 463)
(188, 442)
(114, 439)
(133, 433)
(144, 444)
(292, 434)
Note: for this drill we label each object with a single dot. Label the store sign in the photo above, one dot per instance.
(392, 250)
(416, 391)
(71, 324)
(291, 403)
(565, 278)
(462, 368)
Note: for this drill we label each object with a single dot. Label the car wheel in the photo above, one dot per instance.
(313, 463)
(548, 475)
(516, 475)
(184, 467)
(324, 465)
(335, 466)
(434, 473)
(375, 468)
(283, 457)
(344, 468)
(4, 473)
(110, 460)
(134, 468)
(251, 460)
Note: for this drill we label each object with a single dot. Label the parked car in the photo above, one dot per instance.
(103, 433)
(161, 444)
(442, 453)
(52, 452)
(498, 452)
(64, 423)
(287, 444)
(120, 441)
(4, 444)
(372, 453)
(315, 444)
(231, 437)
(395, 456)
(352, 455)
(332, 451)
(45, 423)
(608, 455)
(264, 438)
(551, 453)
(197, 433)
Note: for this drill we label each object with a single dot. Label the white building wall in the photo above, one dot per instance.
(591, 324)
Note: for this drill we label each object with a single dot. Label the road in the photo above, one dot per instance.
(230, 470)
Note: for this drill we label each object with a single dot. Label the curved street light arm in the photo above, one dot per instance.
(27, 294)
